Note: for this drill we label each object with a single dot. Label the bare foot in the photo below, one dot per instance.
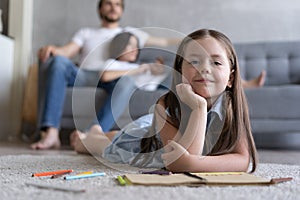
(76, 139)
(49, 140)
(92, 142)
(256, 82)
(261, 79)
(74, 136)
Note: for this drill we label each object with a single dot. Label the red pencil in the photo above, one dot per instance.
(52, 173)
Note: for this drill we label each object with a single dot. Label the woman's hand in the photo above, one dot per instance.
(189, 97)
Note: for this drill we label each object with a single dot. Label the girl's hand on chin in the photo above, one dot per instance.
(189, 97)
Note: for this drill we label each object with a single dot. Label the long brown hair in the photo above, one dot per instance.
(237, 120)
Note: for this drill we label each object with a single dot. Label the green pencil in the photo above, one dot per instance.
(121, 180)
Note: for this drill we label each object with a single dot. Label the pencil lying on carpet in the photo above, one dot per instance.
(87, 172)
(84, 176)
(60, 175)
(50, 173)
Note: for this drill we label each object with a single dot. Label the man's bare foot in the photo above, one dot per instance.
(49, 140)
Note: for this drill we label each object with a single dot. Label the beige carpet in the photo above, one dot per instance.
(16, 171)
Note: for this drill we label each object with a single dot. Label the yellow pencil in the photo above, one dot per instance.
(87, 172)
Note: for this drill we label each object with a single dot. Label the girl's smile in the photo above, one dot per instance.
(203, 80)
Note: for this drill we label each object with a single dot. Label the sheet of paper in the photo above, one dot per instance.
(154, 179)
(232, 178)
(228, 178)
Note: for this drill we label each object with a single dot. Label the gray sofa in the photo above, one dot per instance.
(274, 108)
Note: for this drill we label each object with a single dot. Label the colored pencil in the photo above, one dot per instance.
(121, 180)
(84, 176)
(50, 173)
(87, 172)
(159, 172)
(60, 175)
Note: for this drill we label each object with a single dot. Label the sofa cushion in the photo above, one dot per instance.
(82, 101)
(268, 126)
(141, 103)
(274, 102)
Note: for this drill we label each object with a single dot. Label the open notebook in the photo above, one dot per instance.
(198, 179)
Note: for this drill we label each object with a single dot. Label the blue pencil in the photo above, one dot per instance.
(84, 176)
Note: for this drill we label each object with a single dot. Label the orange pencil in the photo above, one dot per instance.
(52, 173)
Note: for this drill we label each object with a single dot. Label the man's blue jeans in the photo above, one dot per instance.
(63, 73)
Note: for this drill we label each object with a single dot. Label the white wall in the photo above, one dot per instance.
(242, 20)
(6, 77)
(16, 54)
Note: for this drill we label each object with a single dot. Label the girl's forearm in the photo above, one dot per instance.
(193, 137)
(234, 162)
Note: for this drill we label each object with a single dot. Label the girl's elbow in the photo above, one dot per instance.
(177, 166)
(171, 167)
(174, 168)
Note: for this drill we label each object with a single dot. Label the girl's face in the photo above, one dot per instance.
(130, 52)
(206, 68)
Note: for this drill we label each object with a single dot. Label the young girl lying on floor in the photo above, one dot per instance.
(201, 124)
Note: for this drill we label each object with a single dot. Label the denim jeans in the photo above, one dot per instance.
(63, 73)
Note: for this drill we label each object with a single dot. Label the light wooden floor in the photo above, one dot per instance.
(265, 156)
